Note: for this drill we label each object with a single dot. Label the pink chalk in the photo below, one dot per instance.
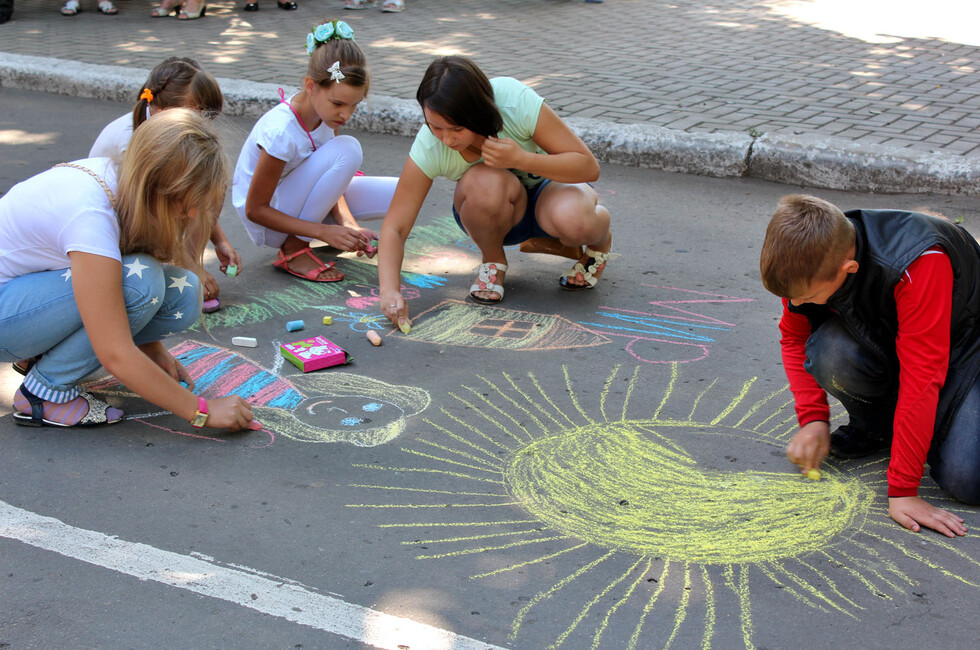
(211, 305)
(373, 337)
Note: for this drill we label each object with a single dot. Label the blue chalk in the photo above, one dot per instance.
(295, 325)
(183, 383)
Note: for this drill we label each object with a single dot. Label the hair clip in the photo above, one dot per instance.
(147, 94)
(327, 31)
(335, 73)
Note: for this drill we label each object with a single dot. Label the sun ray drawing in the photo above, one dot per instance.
(648, 509)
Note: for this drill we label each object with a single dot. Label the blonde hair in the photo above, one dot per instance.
(174, 164)
(807, 239)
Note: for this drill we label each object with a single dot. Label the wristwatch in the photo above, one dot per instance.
(201, 417)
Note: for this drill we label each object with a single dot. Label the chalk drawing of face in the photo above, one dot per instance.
(344, 407)
(326, 406)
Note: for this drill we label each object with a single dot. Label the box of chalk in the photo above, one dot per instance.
(314, 353)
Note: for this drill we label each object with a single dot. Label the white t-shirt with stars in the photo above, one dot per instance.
(61, 210)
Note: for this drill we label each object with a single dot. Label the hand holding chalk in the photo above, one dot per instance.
(232, 270)
(813, 474)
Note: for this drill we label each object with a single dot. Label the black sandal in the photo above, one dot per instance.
(96, 416)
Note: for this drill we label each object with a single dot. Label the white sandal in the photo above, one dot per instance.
(71, 8)
(487, 276)
(106, 7)
(393, 6)
(587, 272)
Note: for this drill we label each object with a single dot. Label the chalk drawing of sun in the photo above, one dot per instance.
(650, 522)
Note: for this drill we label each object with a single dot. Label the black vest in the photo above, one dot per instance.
(888, 241)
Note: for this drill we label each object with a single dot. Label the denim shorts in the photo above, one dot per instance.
(528, 226)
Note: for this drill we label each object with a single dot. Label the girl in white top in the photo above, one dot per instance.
(296, 179)
(174, 82)
(522, 175)
(94, 271)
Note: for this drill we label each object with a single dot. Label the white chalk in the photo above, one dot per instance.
(244, 341)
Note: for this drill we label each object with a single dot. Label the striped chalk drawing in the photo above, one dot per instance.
(675, 328)
(331, 406)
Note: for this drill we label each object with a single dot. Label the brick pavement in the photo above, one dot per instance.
(748, 66)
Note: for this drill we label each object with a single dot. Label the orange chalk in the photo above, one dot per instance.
(373, 337)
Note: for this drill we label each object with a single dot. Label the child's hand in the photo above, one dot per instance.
(227, 256)
(502, 153)
(345, 238)
(809, 446)
(232, 413)
(914, 512)
(368, 250)
(395, 308)
(209, 288)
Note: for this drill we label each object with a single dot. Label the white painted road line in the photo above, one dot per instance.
(239, 586)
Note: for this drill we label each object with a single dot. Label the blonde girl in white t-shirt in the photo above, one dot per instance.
(95, 271)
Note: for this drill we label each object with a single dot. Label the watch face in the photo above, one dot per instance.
(200, 419)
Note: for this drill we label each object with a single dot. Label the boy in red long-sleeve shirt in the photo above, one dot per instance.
(881, 309)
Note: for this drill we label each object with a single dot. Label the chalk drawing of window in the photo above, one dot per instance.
(503, 329)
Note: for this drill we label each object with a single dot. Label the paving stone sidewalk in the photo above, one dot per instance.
(863, 75)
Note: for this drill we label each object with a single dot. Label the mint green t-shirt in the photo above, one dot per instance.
(519, 107)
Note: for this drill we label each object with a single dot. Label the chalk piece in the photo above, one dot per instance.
(813, 474)
(211, 306)
(183, 383)
(255, 425)
(405, 327)
(244, 341)
(295, 325)
(373, 337)
(328, 320)
(232, 270)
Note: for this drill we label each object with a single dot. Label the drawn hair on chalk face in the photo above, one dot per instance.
(327, 406)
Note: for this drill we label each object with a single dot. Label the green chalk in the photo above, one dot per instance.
(328, 320)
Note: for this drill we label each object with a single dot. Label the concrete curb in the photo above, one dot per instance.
(810, 160)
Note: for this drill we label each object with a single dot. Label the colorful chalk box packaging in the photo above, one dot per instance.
(314, 353)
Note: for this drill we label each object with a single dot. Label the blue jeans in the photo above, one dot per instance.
(38, 316)
(869, 392)
(528, 226)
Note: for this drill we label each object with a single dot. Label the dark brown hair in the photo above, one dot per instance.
(179, 82)
(807, 239)
(455, 88)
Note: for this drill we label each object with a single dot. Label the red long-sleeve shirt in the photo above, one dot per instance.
(924, 300)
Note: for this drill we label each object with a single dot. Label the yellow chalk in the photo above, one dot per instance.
(405, 327)
(328, 320)
(373, 337)
(813, 474)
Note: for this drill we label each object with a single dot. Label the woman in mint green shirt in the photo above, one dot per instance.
(520, 173)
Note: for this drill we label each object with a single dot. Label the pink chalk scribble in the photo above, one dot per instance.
(667, 333)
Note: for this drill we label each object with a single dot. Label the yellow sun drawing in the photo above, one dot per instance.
(652, 501)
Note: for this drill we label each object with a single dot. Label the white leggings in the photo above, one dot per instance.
(312, 189)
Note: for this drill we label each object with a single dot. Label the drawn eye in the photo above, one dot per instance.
(351, 422)
(371, 407)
